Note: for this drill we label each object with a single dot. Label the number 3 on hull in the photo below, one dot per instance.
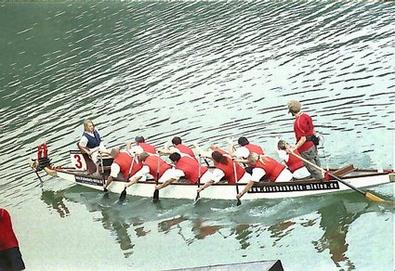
(78, 161)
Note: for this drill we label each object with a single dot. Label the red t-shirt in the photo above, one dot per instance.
(303, 126)
(7, 236)
(148, 148)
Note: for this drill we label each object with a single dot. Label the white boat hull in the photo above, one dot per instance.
(228, 192)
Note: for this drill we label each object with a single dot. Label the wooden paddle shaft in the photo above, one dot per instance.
(334, 176)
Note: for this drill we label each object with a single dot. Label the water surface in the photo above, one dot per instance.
(206, 71)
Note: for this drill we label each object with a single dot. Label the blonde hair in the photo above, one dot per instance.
(253, 157)
(114, 152)
(86, 123)
(294, 106)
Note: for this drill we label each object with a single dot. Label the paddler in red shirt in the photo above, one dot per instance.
(225, 169)
(294, 164)
(183, 149)
(189, 168)
(10, 256)
(178, 147)
(148, 148)
(124, 166)
(305, 134)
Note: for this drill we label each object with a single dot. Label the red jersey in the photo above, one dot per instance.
(228, 170)
(254, 148)
(148, 148)
(153, 163)
(190, 167)
(270, 166)
(184, 149)
(124, 160)
(7, 236)
(303, 126)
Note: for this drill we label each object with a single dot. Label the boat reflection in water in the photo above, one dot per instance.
(265, 227)
(55, 201)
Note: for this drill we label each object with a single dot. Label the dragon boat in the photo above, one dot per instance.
(84, 172)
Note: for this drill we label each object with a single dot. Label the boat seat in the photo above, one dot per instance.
(344, 170)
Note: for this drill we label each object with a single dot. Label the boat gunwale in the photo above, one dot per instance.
(260, 184)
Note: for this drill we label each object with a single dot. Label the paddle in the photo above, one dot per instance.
(39, 177)
(366, 194)
(122, 197)
(237, 185)
(234, 170)
(199, 151)
(155, 197)
(102, 171)
(198, 193)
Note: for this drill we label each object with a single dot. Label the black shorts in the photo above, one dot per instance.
(11, 260)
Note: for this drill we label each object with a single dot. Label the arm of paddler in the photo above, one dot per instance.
(136, 177)
(166, 183)
(84, 149)
(207, 184)
(105, 152)
(242, 161)
(206, 154)
(246, 188)
(164, 151)
(231, 147)
(168, 150)
(128, 145)
(217, 175)
(301, 141)
(113, 174)
(132, 180)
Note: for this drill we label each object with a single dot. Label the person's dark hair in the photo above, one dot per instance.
(243, 141)
(219, 158)
(175, 156)
(139, 139)
(176, 140)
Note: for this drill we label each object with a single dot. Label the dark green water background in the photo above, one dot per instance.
(206, 71)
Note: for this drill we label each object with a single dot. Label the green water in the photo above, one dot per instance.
(206, 71)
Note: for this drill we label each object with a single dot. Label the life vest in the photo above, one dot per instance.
(294, 163)
(152, 162)
(184, 149)
(271, 167)
(124, 160)
(8, 239)
(93, 141)
(148, 148)
(228, 170)
(190, 167)
(254, 148)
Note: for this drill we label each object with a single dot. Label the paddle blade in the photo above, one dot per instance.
(374, 197)
(122, 197)
(155, 197)
(106, 196)
(197, 198)
(238, 202)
